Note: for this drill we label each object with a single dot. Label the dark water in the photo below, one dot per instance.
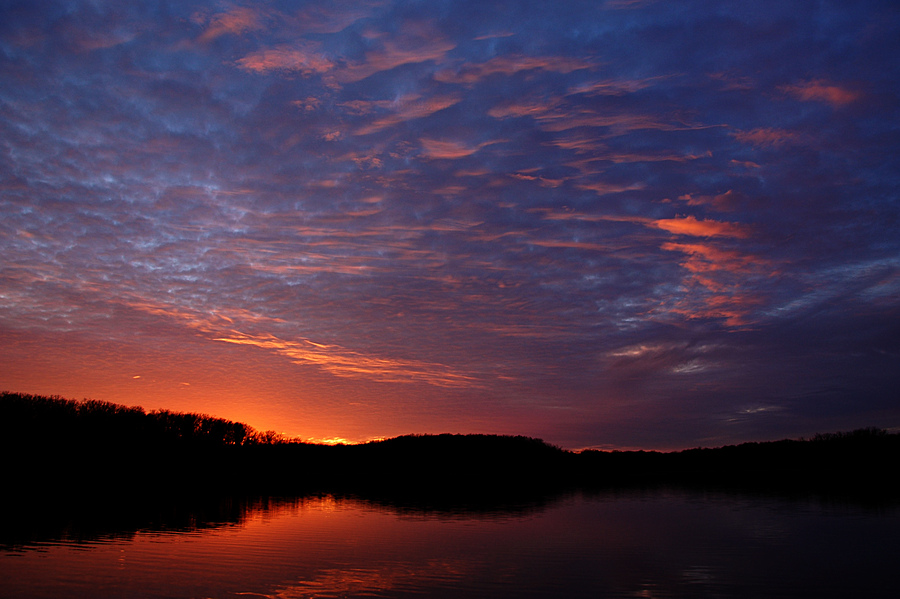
(636, 544)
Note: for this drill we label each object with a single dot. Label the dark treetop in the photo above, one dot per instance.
(86, 447)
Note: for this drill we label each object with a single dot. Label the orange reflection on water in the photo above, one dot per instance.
(341, 548)
(355, 582)
(617, 544)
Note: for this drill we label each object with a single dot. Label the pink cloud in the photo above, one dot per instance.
(473, 172)
(542, 181)
(618, 123)
(733, 309)
(553, 114)
(614, 87)
(417, 42)
(624, 158)
(509, 65)
(549, 214)
(489, 36)
(309, 104)
(434, 148)
(704, 257)
(763, 137)
(339, 361)
(234, 22)
(450, 190)
(602, 188)
(713, 286)
(581, 144)
(520, 108)
(722, 201)
(333, 16)
(360, 107)
(407, 110)
(690, 225)
(305, 60)
(820, 91)
(744, 163)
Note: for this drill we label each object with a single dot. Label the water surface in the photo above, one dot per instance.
(634, 544)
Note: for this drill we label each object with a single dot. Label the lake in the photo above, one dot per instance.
(659, 543)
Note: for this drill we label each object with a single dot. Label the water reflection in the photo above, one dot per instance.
(629, 544)
(370, 582)
(36, 521)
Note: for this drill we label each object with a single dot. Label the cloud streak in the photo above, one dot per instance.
(341, 362)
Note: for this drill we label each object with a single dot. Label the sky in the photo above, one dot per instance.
(610, 224)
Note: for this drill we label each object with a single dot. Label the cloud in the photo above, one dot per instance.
(615, 87)
(344, 363)
(552, 214)
(499, 34)
(471, 73)
(313, 18)
(722, 201)
(705, 257)
(690, 225)
(542, 181)
(234, 22)
(556, 115)
(580, 143)
(417, 42)
(603, 188)
(715, 286)
(309, 104)
(438, 149)
(361, 107)
(768, 138)
(821, 91)
(405, 109)
(618, 123)
(524, 107)
(302, 58)
(624, 157)
(334, 16)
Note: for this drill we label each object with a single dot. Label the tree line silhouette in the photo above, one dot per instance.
(54, 419)
(52, 444)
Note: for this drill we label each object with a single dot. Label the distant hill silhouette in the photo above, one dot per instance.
(57, 445)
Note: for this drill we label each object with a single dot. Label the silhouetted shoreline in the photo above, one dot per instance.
(64, 448)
